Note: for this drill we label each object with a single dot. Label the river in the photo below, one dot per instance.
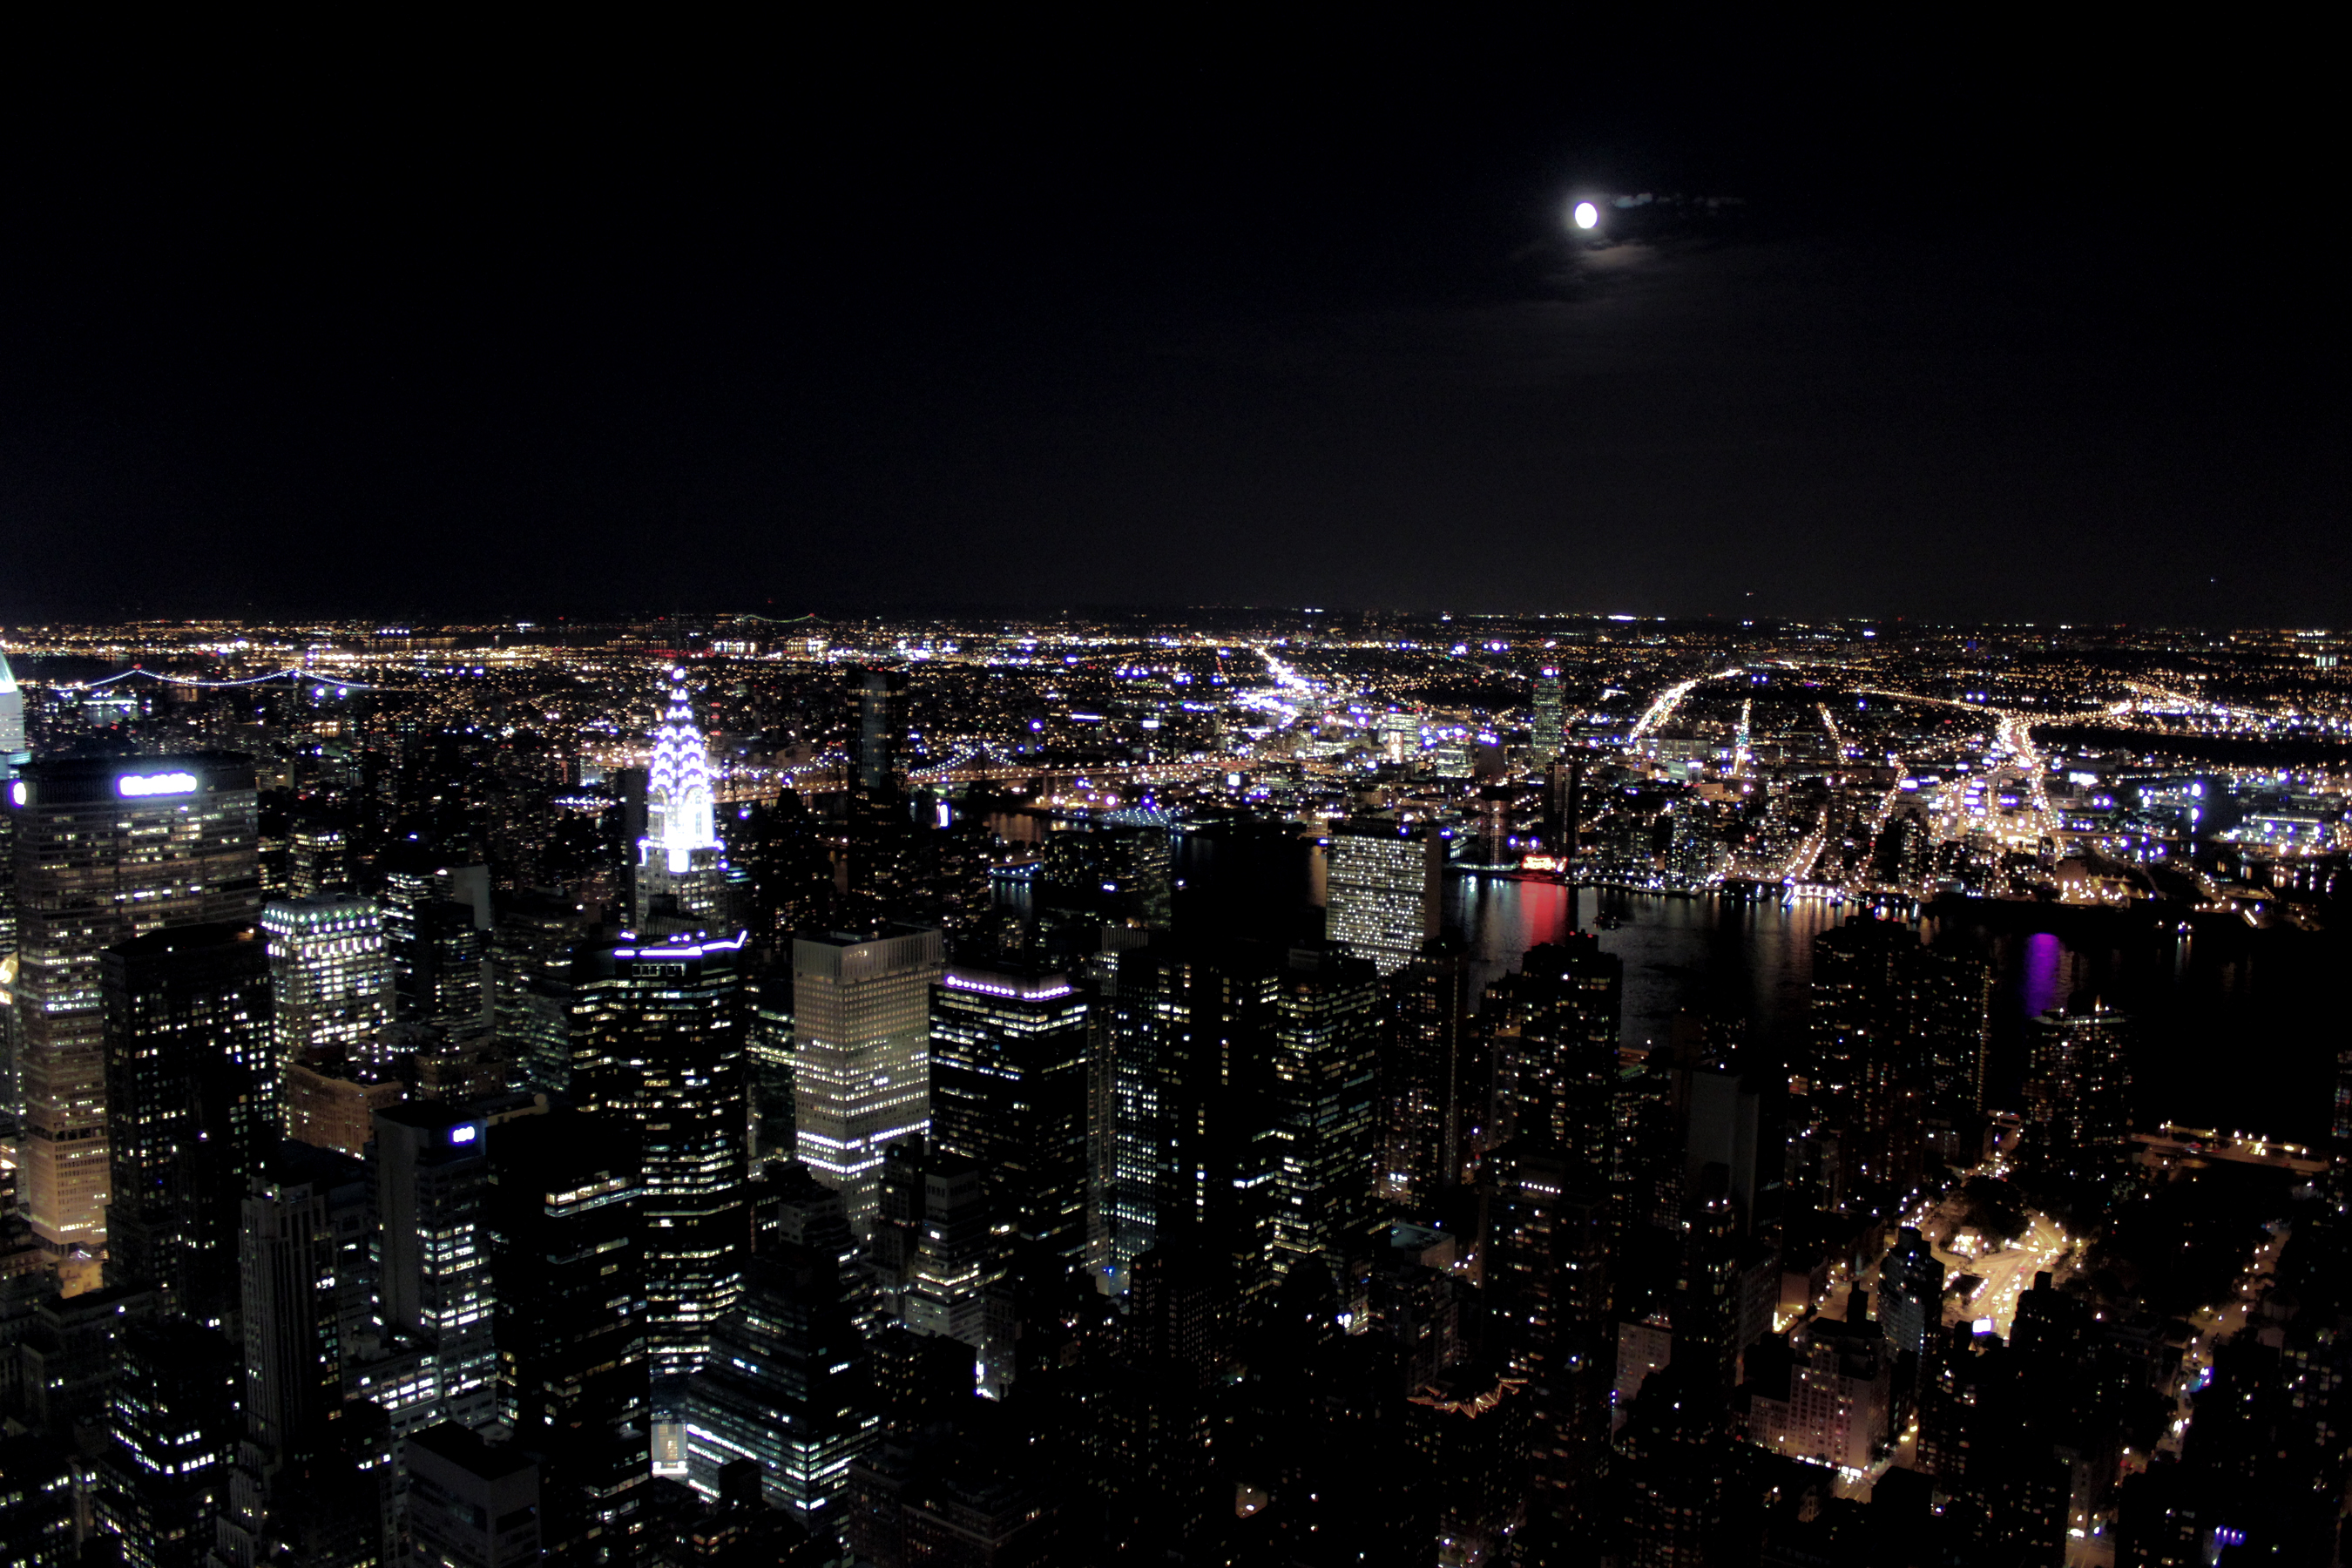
(2236, 1028)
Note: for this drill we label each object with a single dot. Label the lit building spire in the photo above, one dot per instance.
(678, 790)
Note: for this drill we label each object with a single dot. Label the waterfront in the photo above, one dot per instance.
(2237, 1027)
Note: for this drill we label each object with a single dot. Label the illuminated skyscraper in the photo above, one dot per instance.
(880, 728)
(1385, 882)
(861, 1052)
(1324, 1061)
(1437, 1080)
(192, 1108)
(12, 713)
(532, 954)
(1555, 1027)
(789, 1389)
(657, 1035)
(682, 873)
(431, 1170)
(105, 850)
(1545, 735)
(1009, 1091)
(1197, 1152)
(330, 974)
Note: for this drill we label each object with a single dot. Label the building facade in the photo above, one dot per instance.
(105, 850)
(1385, 881)
(657, 1038)
(1009, 1084)
(861, 1053)
(331, 975)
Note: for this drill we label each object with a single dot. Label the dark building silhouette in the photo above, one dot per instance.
(561, 1210)
(192, 1107)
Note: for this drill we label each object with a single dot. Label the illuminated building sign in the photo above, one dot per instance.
(17, 793)
(137, 785)
(465, 1132)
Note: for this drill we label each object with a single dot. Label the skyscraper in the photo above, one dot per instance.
(938, 1262)
(12, 714)
(532, 950)
(330, 974)
(1545, 734)
(568, 1276)
(1197, 1153)
(789, 1389)
(192, 1089)
(173, 1430)
(1325, 1060)
(2078, 1096)
(431, 1172)
(681, 872)
(658, 1040)
(861, 1052)
(1385, 881)
(106, 850)
(1009, 1091)
(289, 1258)
(1434, 1078)
(880, 728)
(1555, 1025)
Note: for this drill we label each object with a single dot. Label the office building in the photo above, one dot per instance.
(1910, 1295)
(1324, 1061)
(861, 1052)
(1009, 1081)
(38, 1487)
(533, 949)
(1545, 734)
(881, 693)
(470, 1505)
(1385, 882)
(1830, 1399)
(680, 877)
(432, 1168)
(106, 850)
(1547, 1280)
(293, 1264)
(436, 926)
(788, 1389)
(657, 1035)
(1197, 1152)
(12, 714)
(1435, 1077)
(1554, 1026)
(938, 1259)
(173, 1440)
(568, 1278)
(318, 857)
(1113, 873)
(330, 975)
(192, 1092)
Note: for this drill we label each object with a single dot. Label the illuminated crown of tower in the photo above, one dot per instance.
(677, 792)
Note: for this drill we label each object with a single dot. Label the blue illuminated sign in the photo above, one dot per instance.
(464, 1133)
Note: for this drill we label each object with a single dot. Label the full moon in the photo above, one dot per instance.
(1585, 214)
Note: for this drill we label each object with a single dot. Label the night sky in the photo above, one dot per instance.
(1149, 309)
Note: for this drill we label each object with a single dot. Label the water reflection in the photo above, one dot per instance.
(2235, 1028)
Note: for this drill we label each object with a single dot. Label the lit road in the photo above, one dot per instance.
(1663, 709)
(2007, 1273)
